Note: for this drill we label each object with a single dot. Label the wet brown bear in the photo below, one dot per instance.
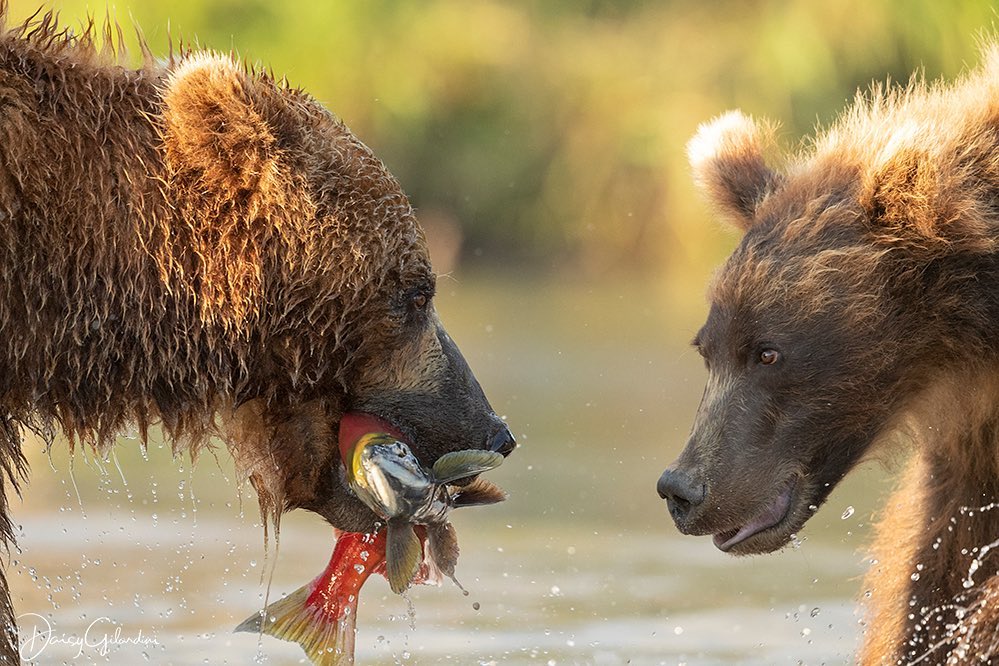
(199, 246)
(861, 306)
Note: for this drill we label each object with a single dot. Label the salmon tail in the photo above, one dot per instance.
(403, 555)
(321, 616)
(326, 641)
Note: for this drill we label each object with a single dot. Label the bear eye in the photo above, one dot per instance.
(769, 356)
(420, 300)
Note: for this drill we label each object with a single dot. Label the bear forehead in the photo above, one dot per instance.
(804, 277)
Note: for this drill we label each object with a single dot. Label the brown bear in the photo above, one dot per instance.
(860, 308)
(196, 245)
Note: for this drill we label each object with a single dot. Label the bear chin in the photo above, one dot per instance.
(771, 528)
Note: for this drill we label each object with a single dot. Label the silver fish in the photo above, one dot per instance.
(385, 475)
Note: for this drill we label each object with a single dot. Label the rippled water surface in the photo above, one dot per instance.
(580, 566)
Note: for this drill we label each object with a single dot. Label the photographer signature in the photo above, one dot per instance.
(37, 634)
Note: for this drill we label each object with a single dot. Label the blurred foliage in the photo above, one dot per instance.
(550, 135)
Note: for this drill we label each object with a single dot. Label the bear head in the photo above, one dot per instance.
(849, 299)
(312, 278)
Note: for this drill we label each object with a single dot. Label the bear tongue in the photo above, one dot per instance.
(354, 425)
(770, 516)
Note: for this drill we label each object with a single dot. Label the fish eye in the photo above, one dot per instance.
(769, 356)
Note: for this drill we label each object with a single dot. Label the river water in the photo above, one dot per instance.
(580, 566)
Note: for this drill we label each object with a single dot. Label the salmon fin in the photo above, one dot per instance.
(459, 464)
(480, 491)
(429, 573)
(403, 555)
(442, 545)
(328, 639)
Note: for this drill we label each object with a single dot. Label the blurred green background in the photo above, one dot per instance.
(542, 144)
(550, 135)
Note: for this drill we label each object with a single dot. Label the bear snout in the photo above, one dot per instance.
(684, 494)
(502, 441)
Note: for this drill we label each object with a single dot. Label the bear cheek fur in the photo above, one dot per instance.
(291, 458)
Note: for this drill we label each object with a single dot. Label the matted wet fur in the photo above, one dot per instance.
(196, 245)
(861, 307)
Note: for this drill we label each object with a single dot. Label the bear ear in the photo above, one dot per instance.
(911, 199)
(726, 156)
(212, 129)
(223, 171)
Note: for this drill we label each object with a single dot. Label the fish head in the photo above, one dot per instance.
(385, 475)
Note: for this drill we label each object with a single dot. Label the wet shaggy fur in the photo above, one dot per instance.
(196, 246)
(869, 265)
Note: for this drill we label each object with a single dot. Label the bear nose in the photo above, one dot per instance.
(503, 442)
(681, 492)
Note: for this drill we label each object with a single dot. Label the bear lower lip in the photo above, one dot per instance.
(769, 517)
